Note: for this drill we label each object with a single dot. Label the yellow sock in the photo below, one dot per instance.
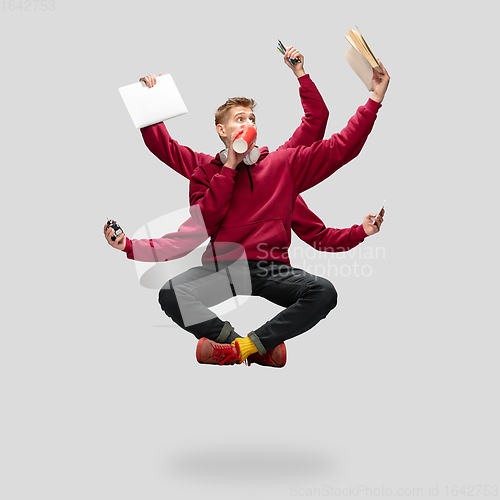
(247, 347)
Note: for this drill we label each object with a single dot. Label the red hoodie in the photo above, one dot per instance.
(255, 210)
(307, 225)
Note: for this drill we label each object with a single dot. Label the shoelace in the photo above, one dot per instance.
(224, 354)
(221, 351)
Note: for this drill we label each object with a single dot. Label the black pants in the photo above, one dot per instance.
(307, 299)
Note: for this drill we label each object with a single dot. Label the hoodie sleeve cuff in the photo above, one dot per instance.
(360, 233)
(228, 172)
(372, 105)
(304, 80)
(128, 248)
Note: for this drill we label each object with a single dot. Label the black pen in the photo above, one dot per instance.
(281, 48)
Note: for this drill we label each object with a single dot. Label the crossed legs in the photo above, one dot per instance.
(307, 299)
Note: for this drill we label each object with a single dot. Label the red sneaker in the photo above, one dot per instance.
(209, 352)
(274, 357)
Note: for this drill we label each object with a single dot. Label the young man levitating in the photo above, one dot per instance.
(247, 210)
(254, 212)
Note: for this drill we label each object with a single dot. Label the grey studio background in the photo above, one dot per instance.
(397, 388)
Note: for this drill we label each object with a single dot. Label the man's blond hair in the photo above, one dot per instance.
(233, 102)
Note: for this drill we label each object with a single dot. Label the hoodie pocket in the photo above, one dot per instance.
(268, 238)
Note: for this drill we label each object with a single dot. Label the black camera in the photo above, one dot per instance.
(118, 230)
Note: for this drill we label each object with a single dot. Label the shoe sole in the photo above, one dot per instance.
(198, 350)
(283, 353)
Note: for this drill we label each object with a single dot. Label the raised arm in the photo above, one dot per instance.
(306, 224)
(309, 166)
(180, 158)
(313, 124)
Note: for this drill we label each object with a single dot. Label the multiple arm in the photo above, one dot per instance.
(305, 223)
(191, 234)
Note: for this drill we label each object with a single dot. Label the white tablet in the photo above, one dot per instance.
(148, 106)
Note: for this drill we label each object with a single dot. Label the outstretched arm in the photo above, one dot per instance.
(169, 247)
(311, 229)
(180, 158)
(330, 239)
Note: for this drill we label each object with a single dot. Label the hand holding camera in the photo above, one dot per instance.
(114, 235)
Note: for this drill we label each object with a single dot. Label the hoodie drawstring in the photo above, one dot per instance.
(249, 176)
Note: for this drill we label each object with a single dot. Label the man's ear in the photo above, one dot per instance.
(220, 130)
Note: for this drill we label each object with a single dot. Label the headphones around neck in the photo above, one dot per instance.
(251, 158)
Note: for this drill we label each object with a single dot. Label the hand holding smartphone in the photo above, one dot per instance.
(381, 208)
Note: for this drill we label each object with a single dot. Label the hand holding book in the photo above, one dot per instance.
(366, 65)
(380, 82)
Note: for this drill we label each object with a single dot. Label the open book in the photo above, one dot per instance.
(361, 58)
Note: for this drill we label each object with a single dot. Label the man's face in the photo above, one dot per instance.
(235, 118)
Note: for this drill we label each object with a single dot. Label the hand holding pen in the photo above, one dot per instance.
(293, 59)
